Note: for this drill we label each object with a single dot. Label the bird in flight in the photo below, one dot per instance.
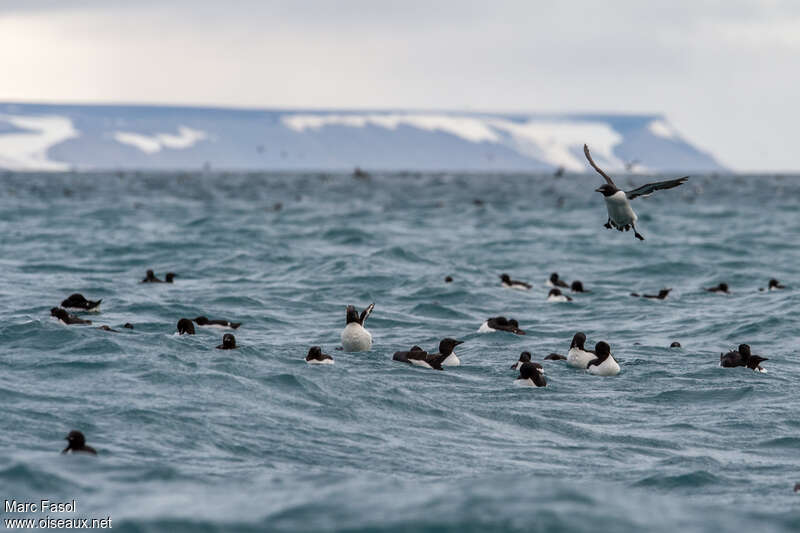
(620, 214)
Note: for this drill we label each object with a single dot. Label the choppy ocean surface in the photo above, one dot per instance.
(191, 438)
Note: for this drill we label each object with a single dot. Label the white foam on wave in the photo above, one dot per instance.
(556, 142)
(151, 144)
(28, 150)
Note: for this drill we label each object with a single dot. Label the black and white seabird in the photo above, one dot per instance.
(577, 286)
(128, 325)
(555, 295)
(774, 285)
(555, 281)
(77, 301)
(150, 277)
(742, 357)
(531, 375)
(604, 364)
(66, 318)
(620, 214)
(448, 279)
(316, 357)
(185, 326)
(662, 294)
(675, 344)
(169, 277)
(578, 356)
(509, 283)
(228, 342)
(222, 324)
(501, 323)
(722, 287)
(446, 355)
(524, 357)
(76, 443)
(355, 338)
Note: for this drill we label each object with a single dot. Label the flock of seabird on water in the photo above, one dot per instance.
(356, 338)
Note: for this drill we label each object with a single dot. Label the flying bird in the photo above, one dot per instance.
(620, 214)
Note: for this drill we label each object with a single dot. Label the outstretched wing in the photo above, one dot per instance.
(594, 166)
(646, 190)
(365, 313)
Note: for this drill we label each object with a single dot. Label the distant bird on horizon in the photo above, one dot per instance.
(620, 214)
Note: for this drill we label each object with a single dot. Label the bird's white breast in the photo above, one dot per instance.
(355, 338)
(609, 367)
(619, 209)
(524, 382)
(452, 360)
(420, 362)
(557, 298)
(318, 362)
(579, 358)
(485, 328)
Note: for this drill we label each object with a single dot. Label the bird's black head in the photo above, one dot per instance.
(577, 286)
(447, 345)
(513, 323)
(75, 440)
(228, 341)
(150, 274)
(532, 371)
(185, 326)
(128, 325)
(554, 292)
(201, 320)
(675, 344)
(554, 277)
(170, 276)
(448, 279)
(744, 349)
(505, 278)
(602, 350)
(578, 340)
(59, 313)
(607, 190)
(723, 287)
(352, 314)
(663, 293)
(773, 283)
(525, 357)
(314, 352)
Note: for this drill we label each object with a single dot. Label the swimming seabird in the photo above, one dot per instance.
(316, 357)
(742, 357)
(355, 338)
(578, 356)
(555, 281)
(150, 277)
(722, 287)
(513, 283)
(222, 324)
(604, 364)
(555, 295)
(419, 357)
(228, 342)
(577, 286)
(501, 323)
(185, 326)
(773, 285)
(66, 318)
(675, 344)
(531, 375)
(77, 301)
(662, 294)
(620, 214)
(76, 443)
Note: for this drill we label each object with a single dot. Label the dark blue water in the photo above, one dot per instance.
(191, 438)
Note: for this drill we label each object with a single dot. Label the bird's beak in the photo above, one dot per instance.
(598, 190)
(459, 342)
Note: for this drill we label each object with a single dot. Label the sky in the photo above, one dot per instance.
(725, 73)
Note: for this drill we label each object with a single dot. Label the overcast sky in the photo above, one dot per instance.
(725, 73)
